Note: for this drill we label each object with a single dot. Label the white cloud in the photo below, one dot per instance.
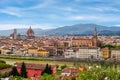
(76, 18)
(117, 25)
(104, 9)
(11, 11)
(12, 26)
(46, 11)
(45, 3)
(53, 16)
(91, 0)
(93, 17)
(70, 9)
(19, 12)
(82, 17)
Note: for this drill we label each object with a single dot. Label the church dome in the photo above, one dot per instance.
(30, 32)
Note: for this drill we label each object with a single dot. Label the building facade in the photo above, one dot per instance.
(115, 54)
(106, 53)
(86, 42)
(83, 53)
(69, 54)
(87, 53)
(34, 70)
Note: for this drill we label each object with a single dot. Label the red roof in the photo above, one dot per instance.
(81, 39)
(12, 35)
(70, 70)
(33, 66)
(32, 48)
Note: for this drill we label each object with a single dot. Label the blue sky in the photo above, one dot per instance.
(47, 14)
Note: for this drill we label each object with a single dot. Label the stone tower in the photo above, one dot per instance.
(95, 43)
(15, 33)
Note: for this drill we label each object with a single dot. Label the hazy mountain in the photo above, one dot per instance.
(21, 31)
(79, 29)
(84, 29)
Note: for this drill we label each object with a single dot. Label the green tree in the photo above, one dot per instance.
(109, 46)
(3, 66)
(73, 78)
(57, 66)
(48, 77)
(23, 72)
(47, 70)
(1, 61)
(14, 72)
(64, 66)
(50, 70)
(5, 75)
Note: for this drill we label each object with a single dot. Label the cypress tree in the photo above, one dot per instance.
(23, 71)
(14, 72)
(47, 69)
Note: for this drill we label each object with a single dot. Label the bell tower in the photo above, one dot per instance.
(15, 33)
(95, 38)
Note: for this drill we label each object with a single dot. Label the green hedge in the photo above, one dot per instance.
(3, 66)
(4, 75)
(1, 61)
(19, 78)
(25, 58)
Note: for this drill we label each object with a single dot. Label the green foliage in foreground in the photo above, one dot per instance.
(58, 72)
(94, 74)
(111, 46)
(48, 77)
(47, 69)
(3, 66)
(64, 66)
(1, 61)
(99, 74)
(23, 72)
(19, 78)
(14, 72)
(4, 75)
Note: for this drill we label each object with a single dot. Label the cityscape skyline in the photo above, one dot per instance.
(47, 14)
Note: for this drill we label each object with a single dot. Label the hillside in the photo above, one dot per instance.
(78, 29)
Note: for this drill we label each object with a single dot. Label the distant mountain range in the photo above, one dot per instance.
(78, 29)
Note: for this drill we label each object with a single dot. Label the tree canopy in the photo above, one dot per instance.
(14, 71)
(47, 69)
(23, 71)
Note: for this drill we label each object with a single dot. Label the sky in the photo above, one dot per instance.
(48, 14)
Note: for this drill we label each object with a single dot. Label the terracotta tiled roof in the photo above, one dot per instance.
(81, 39)
(32, 66)
(32, 48)
(12, 35)
(70, 70)
(5, 48)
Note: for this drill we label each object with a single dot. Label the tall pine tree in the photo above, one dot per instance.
(23, 71)
(14, 72)
(47, 69)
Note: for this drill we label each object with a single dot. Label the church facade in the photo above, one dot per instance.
(86, 42)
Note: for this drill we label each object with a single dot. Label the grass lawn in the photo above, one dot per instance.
(42, 61)
(12, 61)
